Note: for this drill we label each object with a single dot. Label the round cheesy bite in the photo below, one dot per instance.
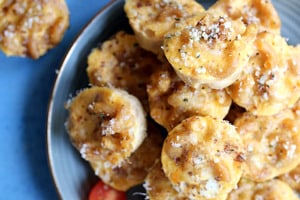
(202, 157)
(272, 142)
(209, 50)
(106, 124)
(271, 79)
(259, 12)
(171, 100)
(120, 62)
(134, 169)
(152, 19)
(158, 186)
(31, 27)
(269, 190)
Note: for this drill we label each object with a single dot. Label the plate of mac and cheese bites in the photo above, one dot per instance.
(179, 100)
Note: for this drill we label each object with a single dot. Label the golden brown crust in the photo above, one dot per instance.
(31, 27)
(272, 142)
(152, 19)
(133, 170)
(259, 12)
(120, 62)
(106, 124)
(202, 157)
(269, 190)
(158, 186)
(270, 81)
(209, 50)
(171, 100)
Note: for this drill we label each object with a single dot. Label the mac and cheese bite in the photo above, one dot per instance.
(259, 12)
(210, 50)
(152, 19)
(203, 158)
(30, 28)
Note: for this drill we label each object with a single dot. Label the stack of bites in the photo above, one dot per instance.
(222, 82)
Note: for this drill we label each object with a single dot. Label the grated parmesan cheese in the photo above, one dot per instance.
(107, 127)
(198, 160)
(211, 189)
(176, 145)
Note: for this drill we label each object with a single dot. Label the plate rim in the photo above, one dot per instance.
(53, 91)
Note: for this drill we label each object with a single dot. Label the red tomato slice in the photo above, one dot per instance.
(102, 191)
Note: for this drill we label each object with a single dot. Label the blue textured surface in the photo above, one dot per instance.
(25, 87)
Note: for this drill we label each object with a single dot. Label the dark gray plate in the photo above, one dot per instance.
(72, 176)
